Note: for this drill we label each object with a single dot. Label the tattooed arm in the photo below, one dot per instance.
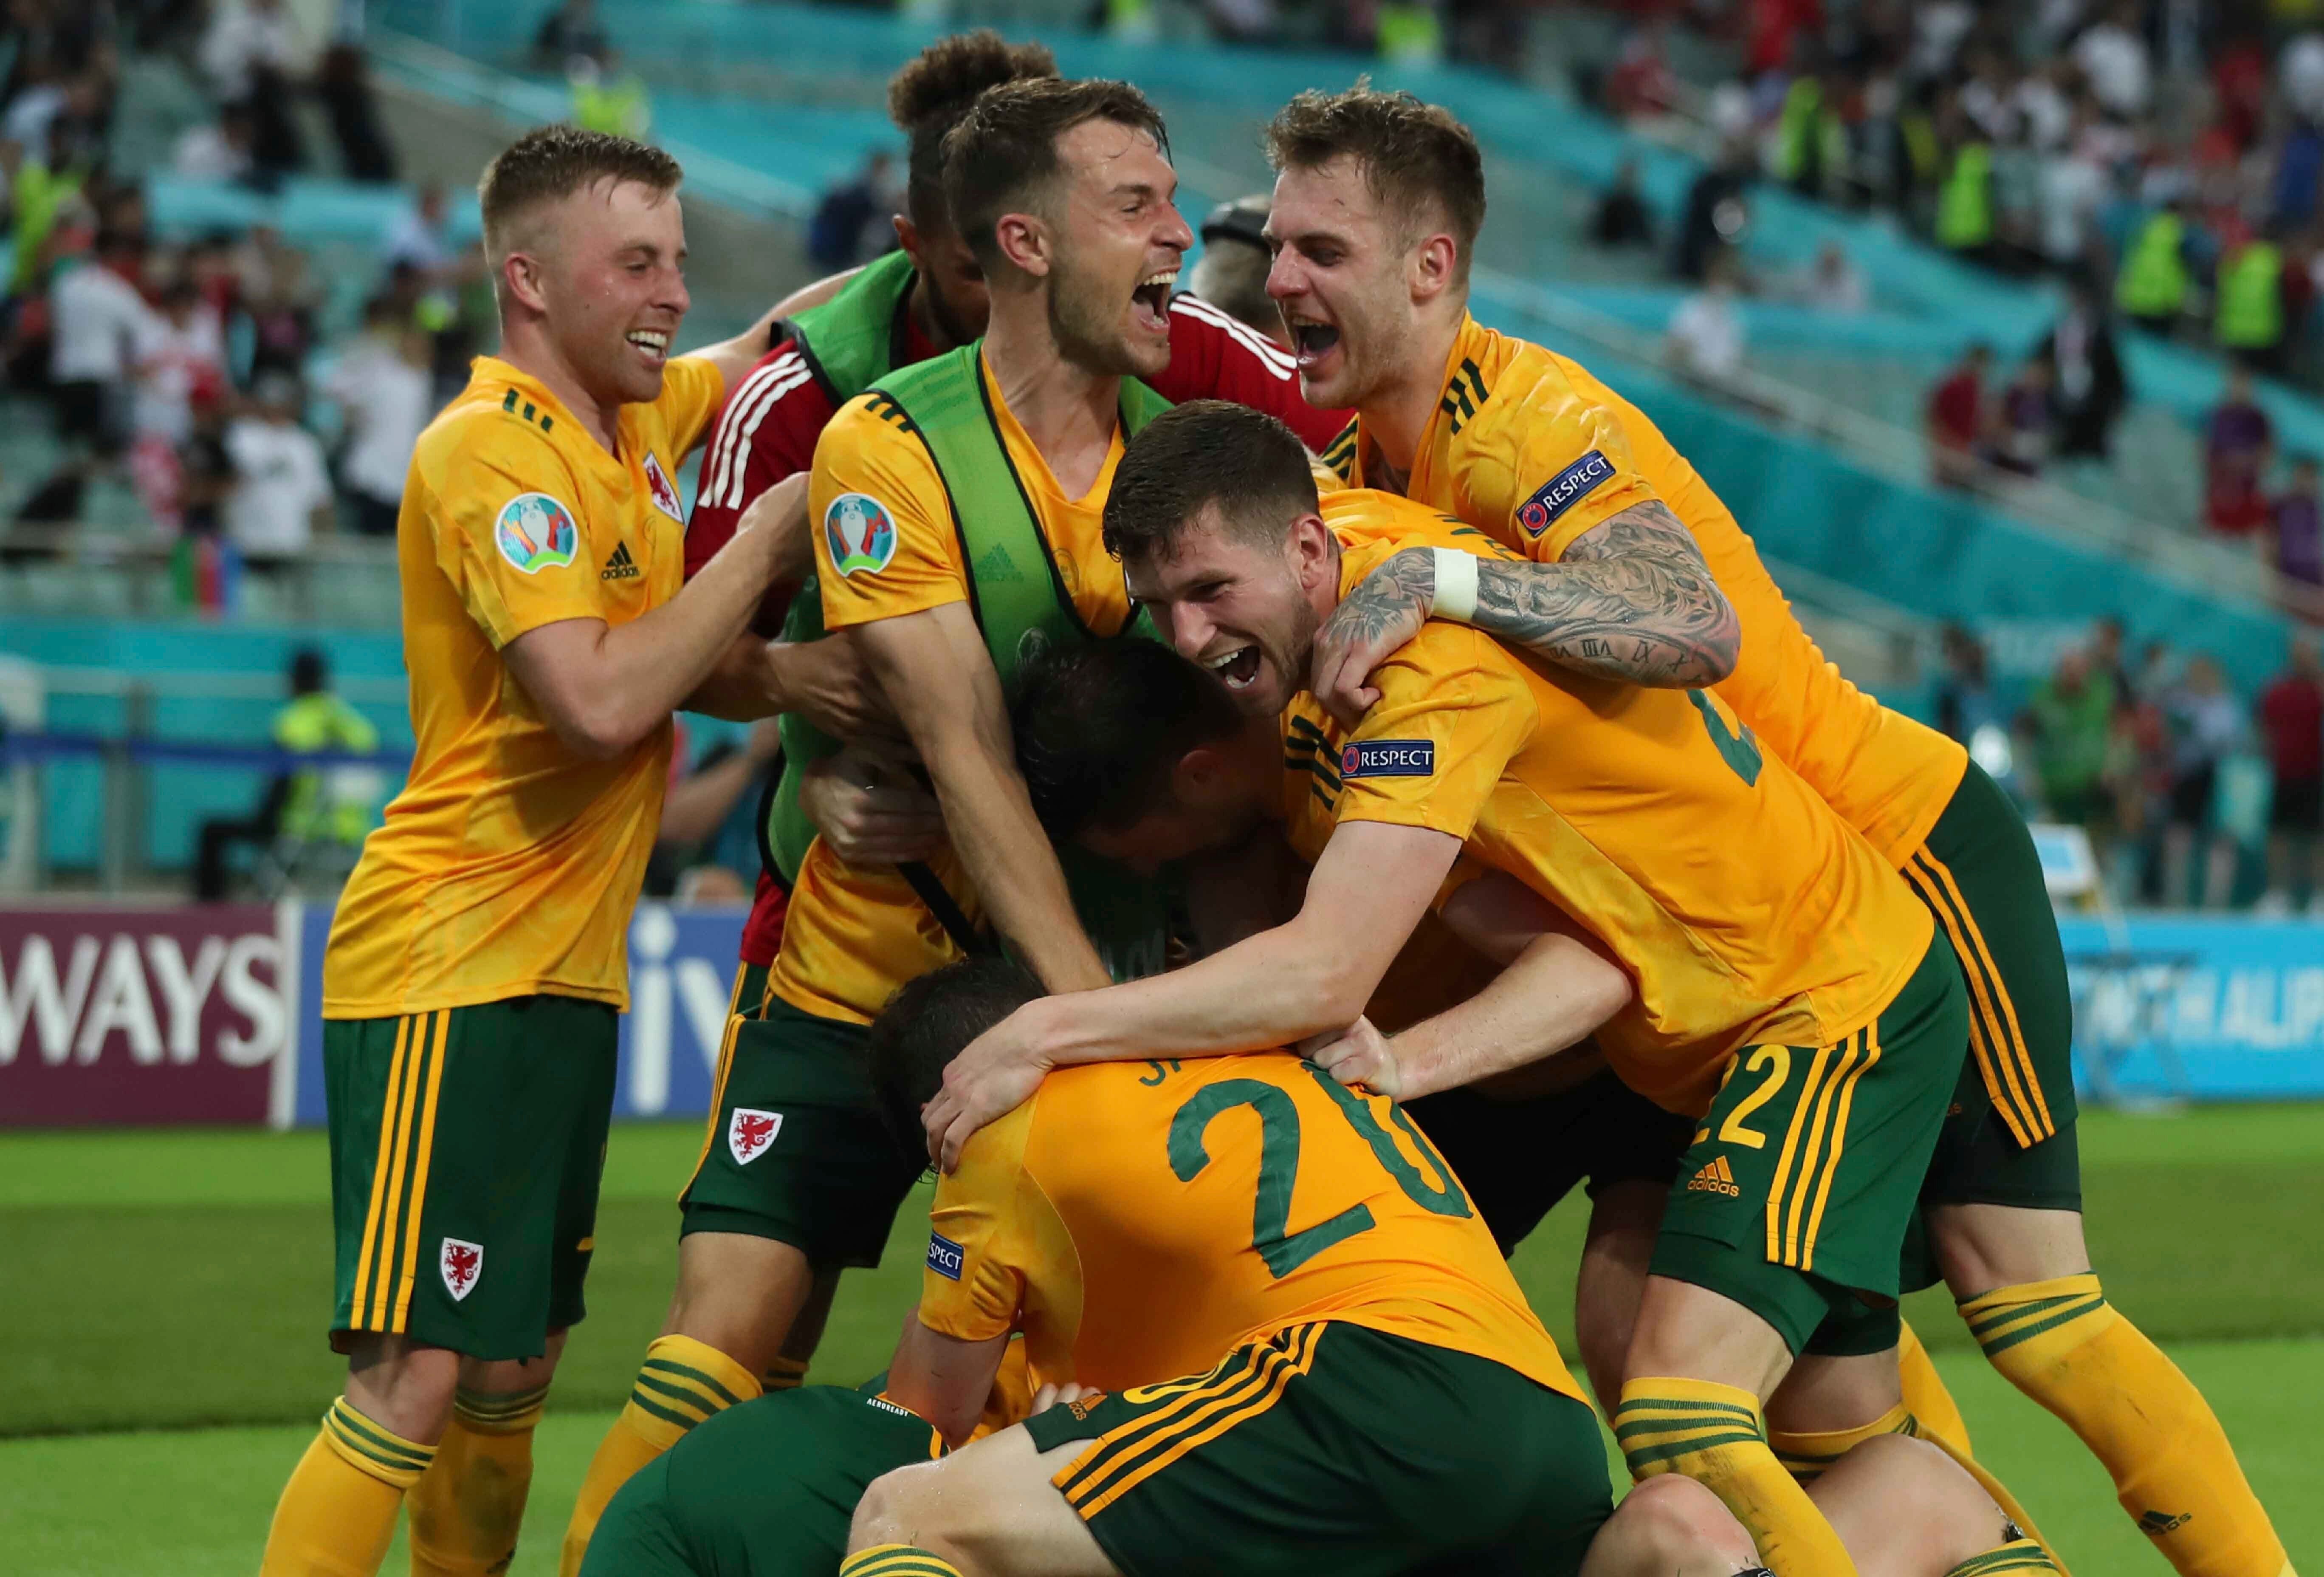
(1631, 600)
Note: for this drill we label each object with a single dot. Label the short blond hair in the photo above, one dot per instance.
(551, 163)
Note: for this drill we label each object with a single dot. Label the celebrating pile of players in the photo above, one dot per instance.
(1268, 808)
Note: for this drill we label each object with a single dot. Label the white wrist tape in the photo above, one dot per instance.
(1456, 584)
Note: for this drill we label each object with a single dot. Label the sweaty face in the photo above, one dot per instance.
(1237, 607)
(1119, 241)
(612, 261)
(1339, 280)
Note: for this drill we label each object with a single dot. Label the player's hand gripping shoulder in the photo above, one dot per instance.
(868, 807)
(1358, 1054)
(996, 1073)
(1632, 600)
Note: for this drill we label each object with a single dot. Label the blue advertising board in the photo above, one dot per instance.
(2197, 1008)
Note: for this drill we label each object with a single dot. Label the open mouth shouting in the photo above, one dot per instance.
(1237, 667)
(652, 346)
(1313, 342)
(1149, 303)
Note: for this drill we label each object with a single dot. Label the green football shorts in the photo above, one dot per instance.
(1797, 1195)
(1329, 1447)
(466, 1146)
(765, 1489)
(2010, 1138)
(796, 1150)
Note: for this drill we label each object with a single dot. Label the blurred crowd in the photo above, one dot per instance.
(211, 377)
(2171, 156)
(2191, 794)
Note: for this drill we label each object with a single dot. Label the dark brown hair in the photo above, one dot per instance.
(1419, 162)
(1101, 725)
(934, 89)
(1002, 156)
(1205, 452)
(554, 161)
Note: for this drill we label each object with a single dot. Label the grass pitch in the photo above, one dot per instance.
(165, 1295)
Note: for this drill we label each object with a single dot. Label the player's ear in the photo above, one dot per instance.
(1311, 546)
(908, 236)
(1024, 240)
(1432, 267)
(522, 277)
(1198, 776)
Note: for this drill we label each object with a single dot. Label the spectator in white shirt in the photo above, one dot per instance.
(281, 490)
(381, 384)
(2113, 56)
(219, 150)
(1706, 338)
(245, 38)
(181, 352)
(98, 318)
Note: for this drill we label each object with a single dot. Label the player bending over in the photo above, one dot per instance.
(1782, 971)
(1361, 1386)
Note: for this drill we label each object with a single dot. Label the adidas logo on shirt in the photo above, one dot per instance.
(620, 566)
(1715, 1178)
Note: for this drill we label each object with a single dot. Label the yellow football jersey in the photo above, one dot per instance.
(1138, 1220)
(886, 545)
(508, 865)
(1744, 909)
(1531, 448)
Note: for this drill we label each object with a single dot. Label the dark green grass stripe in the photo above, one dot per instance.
(664, 1366)
(2001, 1344)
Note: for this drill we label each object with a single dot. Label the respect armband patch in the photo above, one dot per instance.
(944, 1255)
(1562, 491)
(1388, 758)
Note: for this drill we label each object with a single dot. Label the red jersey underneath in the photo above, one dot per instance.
(768, 428)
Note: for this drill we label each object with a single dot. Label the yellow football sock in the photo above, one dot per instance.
(2017, 1556)
(681, 1383)
(338, 1512)
(896, 1561)
(2063, 1344)
(1713, 1434)
(1933, 1408)
(467, 1510)
(785, 1373)
(1806, 1454)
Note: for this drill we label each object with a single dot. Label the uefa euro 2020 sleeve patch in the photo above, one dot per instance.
(1562, 491)
(536, 532)
(860, 533)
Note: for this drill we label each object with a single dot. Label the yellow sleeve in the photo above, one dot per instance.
(884, 541)
(1542, 462)
(974, 1284)
(508, 538)
(1453, 710)
(692, 387)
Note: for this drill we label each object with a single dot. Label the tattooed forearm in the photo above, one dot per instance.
(1391, 602)
(1632, 600)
